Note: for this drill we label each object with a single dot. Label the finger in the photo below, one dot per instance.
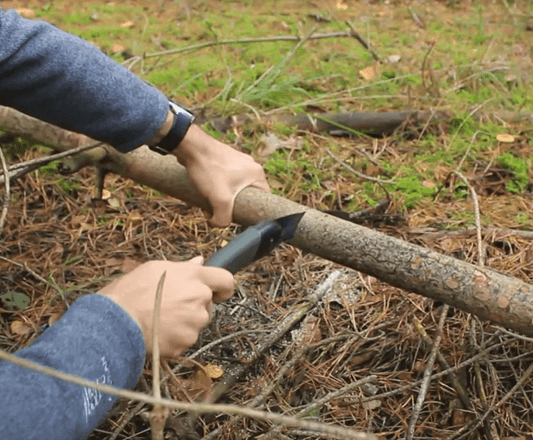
(220, 281)
(197, 260)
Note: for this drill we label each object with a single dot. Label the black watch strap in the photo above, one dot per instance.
(183, 119)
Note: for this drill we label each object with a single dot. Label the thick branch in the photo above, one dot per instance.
(488, 294)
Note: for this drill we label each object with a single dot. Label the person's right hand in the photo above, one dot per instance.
(188, 294)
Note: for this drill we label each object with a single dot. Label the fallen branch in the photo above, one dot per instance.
(493, 296)
(376, 124)
(7, 195)
(322, 428)
(365, 43)
(199, 46)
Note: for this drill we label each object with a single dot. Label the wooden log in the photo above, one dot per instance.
(491, 295)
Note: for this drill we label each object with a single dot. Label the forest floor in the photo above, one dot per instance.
(463, 58)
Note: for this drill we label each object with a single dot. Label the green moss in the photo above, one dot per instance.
(412, 190)
(519, 168)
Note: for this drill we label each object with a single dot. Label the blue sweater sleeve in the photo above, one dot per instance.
(95, 339)
(61, 79)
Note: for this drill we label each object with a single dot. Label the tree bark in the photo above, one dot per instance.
(493, 296)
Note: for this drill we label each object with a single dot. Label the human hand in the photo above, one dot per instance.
(188, 293)
(219, 172)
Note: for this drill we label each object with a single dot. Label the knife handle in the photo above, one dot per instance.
(238, 253)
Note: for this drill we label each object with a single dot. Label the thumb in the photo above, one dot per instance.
(197, 260)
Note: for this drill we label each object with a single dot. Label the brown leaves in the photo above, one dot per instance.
(26, 12)
(20, 328)
(272, 143)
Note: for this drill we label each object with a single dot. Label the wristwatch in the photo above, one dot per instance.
(183, 119)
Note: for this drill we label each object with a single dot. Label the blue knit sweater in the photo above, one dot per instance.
(61, 79)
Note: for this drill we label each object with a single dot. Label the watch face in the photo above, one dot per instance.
(180, 110)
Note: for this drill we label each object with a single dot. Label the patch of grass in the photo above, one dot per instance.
(105, 32)
(79, 18)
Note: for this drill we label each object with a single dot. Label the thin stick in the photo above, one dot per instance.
(7, 196)
(276, 334)
(361, 40)
(259, 400)
(159, 413)
(48, 159)
(427, 375)
(481, 257)
(357, 173)
(125, 420)
(463, 397)
(334, 431)
(275, 431)
(26, 268)
(212, 344)
(199, 46)
(417, 18)
(433, 233)
(268, 75)
(479, 382)
(465, 430)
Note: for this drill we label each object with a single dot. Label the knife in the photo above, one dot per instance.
(254, 243)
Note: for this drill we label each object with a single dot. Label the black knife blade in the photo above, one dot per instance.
(254, 243)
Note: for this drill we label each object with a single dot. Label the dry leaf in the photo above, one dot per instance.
(329, 184)
(127, 24)
(105, 194)
(114, 202)
(21, 329)
(117, 48)
(54, 318)
(273, 143)
(214, 371)
(505, 137)
(25, 12)
(510, 78)
(393, 59)
(369, 73)
(341, 5)
(372, 404)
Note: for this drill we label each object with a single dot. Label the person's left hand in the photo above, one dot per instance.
(218, 171)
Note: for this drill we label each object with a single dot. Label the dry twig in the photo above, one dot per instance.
(427, 374)
(333, 431)
(7, 196)
(199, 46)
(274, 336)
(361, 40)
(463, 397)
(357, 173)
(160, 412)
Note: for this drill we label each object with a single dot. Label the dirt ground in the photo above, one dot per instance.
(59, 243)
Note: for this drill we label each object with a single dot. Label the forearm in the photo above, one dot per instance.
(61, 79)
(95, 339)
